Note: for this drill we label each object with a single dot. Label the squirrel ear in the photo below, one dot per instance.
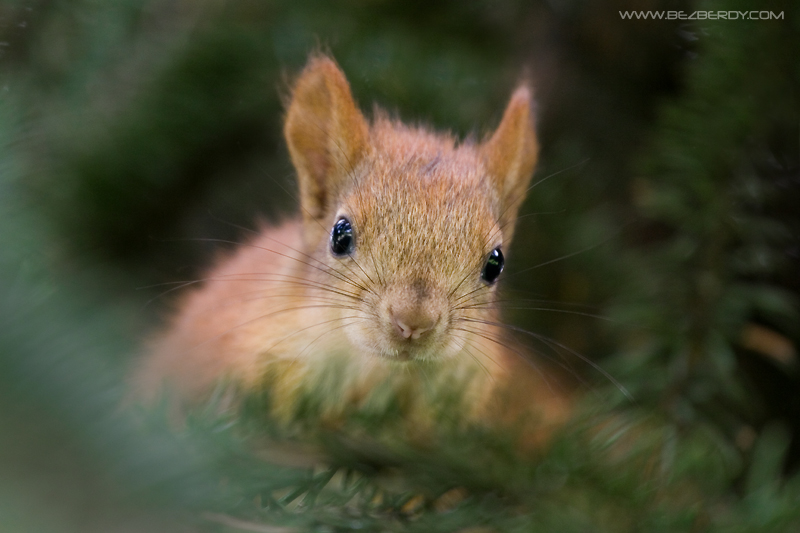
(326, 134)
(510, 156)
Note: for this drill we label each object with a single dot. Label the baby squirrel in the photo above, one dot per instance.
(392, 268)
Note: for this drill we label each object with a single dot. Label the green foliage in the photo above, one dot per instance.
(633, 473)
(708, 186)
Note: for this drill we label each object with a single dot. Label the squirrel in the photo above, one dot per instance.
(393, 267)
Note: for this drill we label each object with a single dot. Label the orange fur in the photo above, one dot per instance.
(426, 212)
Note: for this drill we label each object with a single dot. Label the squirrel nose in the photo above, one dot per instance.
(412, 324)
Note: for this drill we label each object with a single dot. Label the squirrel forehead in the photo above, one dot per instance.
(413, 173)
(417, 194)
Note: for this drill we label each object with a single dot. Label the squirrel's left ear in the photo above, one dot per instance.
(326, 135)
(510, 156)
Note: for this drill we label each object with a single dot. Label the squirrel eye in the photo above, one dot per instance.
(343, 241)
(493, 267)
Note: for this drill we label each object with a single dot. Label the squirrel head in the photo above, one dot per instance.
(411, 226)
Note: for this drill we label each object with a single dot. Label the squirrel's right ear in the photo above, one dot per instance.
(326, 133)
(510, 155)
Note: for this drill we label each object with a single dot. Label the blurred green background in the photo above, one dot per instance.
(131, 129)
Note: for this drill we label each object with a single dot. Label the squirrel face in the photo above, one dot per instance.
(411, 227)
(423, 224)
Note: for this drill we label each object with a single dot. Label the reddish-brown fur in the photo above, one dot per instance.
(426, 212)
